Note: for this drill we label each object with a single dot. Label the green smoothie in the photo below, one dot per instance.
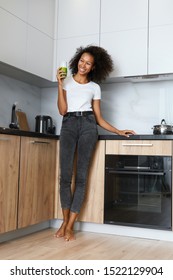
(64, 69)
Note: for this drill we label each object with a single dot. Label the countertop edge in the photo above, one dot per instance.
(18, 132)
(137, 137)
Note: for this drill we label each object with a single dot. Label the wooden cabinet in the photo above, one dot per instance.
(125, 37)
(9, 170)
(37, 180)
(139, 147)
(92, 209)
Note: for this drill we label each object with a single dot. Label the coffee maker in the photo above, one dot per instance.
(44, 124)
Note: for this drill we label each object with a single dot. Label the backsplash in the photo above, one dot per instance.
(49, 106)
(27, 96)
(137, 106)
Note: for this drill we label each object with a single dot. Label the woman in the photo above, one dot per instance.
(79, 104)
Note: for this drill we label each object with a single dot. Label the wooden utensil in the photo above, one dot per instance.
(22, 120)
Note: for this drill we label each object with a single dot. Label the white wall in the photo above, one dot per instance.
(49, 106)
(136, 106)
(27, 96)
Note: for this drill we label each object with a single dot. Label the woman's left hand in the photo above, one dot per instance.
(126, 132)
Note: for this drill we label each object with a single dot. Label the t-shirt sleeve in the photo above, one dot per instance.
(97, 92)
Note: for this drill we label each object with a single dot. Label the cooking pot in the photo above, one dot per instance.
(163, 128)
(44, 124)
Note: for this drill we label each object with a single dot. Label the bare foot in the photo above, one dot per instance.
(61, 231)
(69, 235)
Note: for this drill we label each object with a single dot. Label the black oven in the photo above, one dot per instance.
(138, 191)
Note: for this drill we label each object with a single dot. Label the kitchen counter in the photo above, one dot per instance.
(137, 137)
(4, 130)
(9, 131)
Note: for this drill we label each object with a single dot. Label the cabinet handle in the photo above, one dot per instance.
(40, 142)
(4, 139)
(139, 144)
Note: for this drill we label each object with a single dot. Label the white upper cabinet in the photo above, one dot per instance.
(160, 12)
(161, 50)
(27, 33)
(128, 50)
(65, 53)
(40, 38)
(117, 15)
(78, 18)
(39, 54)
(78, 25)
(37, 34)
(124, 33)
(13, 34)
(16, 7)
(37, 13)
(160, 36)
(41, 15)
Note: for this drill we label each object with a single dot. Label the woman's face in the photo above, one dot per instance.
(85, 64)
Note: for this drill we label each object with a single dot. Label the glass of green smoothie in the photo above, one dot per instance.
(63, 67)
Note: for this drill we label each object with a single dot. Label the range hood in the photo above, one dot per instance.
(150, 77)
(142, 78)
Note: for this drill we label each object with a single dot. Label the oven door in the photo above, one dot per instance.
(138, 191)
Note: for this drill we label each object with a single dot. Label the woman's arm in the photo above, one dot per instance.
(62, 100)
(101, 122)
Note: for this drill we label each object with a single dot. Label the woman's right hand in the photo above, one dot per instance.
(60, 75)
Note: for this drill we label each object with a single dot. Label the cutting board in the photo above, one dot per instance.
(22, 120)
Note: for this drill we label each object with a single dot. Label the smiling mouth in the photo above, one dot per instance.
(81, 69)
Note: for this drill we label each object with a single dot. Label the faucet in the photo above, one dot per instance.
(14, 122)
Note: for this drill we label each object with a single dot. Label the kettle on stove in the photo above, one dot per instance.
(44, 124)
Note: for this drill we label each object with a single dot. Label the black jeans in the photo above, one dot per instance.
(77, 134)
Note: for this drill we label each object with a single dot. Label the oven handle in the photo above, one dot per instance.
(136, 173)
(137, 167)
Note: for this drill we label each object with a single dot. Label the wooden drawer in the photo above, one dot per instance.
(139, 147)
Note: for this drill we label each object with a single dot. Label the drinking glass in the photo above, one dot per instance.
(63, 66)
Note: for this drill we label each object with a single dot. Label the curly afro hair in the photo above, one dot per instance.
(103, 63)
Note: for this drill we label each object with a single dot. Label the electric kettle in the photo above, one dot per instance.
(44, 124)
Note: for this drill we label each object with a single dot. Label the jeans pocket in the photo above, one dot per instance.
(65, 118)
(91, 119)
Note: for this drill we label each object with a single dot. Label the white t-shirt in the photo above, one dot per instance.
(80, 96)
